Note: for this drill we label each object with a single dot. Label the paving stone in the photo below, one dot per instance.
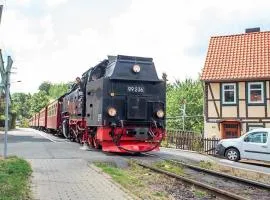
(68, 179)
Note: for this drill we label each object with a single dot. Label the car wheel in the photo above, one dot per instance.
(232, 154)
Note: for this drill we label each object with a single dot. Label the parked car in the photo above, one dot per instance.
(254, 145)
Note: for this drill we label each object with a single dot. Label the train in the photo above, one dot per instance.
(117, 106)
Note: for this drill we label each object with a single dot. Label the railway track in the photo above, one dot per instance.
(220, 184)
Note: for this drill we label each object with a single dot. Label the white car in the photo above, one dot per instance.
(253, 145)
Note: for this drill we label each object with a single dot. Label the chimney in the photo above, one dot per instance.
(252, 30)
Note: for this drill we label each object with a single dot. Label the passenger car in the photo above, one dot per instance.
(254, 145)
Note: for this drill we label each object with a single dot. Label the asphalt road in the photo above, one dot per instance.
(33, 144)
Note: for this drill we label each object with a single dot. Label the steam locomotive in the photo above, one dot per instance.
(116, 106)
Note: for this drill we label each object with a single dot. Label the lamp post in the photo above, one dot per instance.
(5, 73)
(6, 118)
(6, 86)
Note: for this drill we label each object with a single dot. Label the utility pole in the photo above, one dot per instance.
(5, 74)
(7, 85)
(183, 109)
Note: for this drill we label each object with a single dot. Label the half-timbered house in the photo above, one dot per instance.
(236, 77)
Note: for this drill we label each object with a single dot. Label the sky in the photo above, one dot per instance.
(58, 40)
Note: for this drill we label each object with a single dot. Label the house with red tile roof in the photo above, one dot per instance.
(236, 77)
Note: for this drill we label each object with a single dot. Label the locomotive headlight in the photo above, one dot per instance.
(160, 113)
(112, 111)
(136, 68)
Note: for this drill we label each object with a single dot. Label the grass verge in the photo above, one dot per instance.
(140, 181)
(170, 167)
(150, 185)
(206, 164)
(240, 172)
(14, 179)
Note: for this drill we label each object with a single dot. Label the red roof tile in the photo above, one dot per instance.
(238, 57)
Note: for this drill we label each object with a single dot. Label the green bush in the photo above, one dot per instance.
(24, 123)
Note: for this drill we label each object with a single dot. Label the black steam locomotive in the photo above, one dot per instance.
(118, 105)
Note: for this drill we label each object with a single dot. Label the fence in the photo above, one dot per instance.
(192, 141)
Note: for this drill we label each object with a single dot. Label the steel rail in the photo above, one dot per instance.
(217, 191)
(220, 174)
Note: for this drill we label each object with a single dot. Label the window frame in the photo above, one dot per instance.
(249, 90)
(223, 93)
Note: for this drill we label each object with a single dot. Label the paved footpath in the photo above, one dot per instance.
(71, 179)
(61, 170)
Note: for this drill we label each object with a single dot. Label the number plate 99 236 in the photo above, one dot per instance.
(135, 89)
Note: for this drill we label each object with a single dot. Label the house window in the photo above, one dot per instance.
(255, 92)
(229, 93)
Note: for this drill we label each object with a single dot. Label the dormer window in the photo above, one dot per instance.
(228, 93)
(255, 93)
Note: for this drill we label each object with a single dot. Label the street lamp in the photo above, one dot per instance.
(6, 86)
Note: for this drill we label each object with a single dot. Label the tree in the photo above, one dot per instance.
(45, 86)
(38, 101)
(21, 105)
(57, 90)
(190, 92)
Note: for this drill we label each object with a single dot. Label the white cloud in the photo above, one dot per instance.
(47, 25)
(175, 33)
(54, 3)
(16, 32)
(167, 29)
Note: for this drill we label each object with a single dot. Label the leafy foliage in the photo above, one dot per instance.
(38, 101)
(57, 90)
(45, 86)
(190, 93)
(21, 104)
(25, 105)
